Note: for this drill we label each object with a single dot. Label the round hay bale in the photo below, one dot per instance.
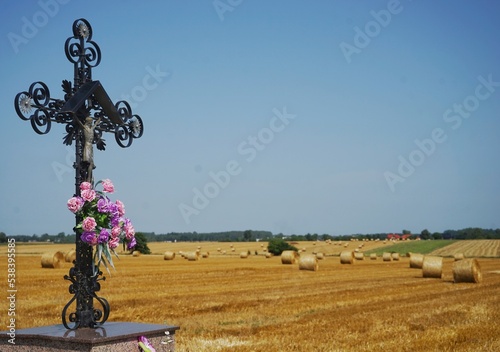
(459, 256)
(373, 256)
(70, 256)
(205, 254)
(136, 253)
(244, 254)
(432, 266)
(320, 256)
(288, 257)
(395, 256)
(308, 262)
(192, 256)
(168, 255)
(52, 260)
(269, 255)
(387, 257)
(346, 257)
(359, 256)
(467, 270)
(416, 260)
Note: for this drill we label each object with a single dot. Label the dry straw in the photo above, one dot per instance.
(191, 256)
(387, 257)
(373, 256)
(70, 256)
(308, 262)
(288, 257)
(52, 260)
(320, 256)
(359, 256)
(205, 254)
(395, 256)
(459, 256)
(136, 253)
(432, 267)
(269, 255)
(244, 254)
(416, 260)
(169, 255)
(346, 257)
(467, 270)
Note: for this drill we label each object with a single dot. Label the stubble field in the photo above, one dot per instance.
(225, 303)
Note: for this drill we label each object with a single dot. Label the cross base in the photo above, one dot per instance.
(111, 337)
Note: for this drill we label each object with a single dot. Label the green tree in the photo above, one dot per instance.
(277, 245)
(437, 236)
(3, 237)
(142, 244)
(425, 234)
(247, 235)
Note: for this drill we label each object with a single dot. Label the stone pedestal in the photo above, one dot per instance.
(111, 337)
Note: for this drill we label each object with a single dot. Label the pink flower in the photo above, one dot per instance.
(85, 186)
(88, 195)
(89, 224)
(108, 186)
(121, 207)
(113, 243)
(129, 230)
(75, 204)
(116, 232)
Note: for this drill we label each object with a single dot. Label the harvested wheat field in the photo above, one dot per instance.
(225, 303)
(472, 248)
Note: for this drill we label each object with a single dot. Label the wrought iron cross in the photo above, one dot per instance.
(87, 111)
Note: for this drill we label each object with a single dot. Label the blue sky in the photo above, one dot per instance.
(333, 117)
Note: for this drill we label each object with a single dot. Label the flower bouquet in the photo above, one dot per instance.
(103, 224)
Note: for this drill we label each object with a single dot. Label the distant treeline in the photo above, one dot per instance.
(470, 233)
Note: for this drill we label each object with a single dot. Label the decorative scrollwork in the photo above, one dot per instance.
(40, 121)
(84, 289)
(124, 110)
(75, 49)
(123, 136)
(40, 94)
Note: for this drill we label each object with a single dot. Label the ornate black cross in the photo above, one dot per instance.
(87, 112)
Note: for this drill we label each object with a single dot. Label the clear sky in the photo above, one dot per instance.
(334, 117)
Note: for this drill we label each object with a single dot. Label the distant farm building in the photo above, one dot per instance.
(397, 237)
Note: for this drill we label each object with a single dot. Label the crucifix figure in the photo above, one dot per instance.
(87, 112)
(88, 129)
